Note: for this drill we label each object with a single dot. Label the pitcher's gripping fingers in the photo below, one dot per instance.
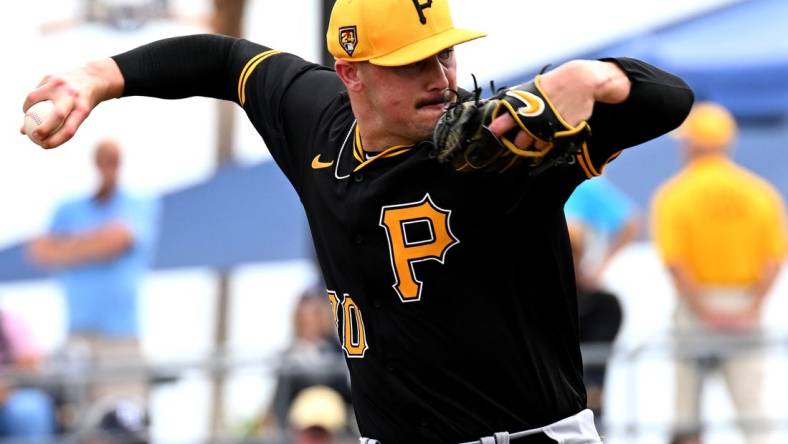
(74, 93)
(504, 123)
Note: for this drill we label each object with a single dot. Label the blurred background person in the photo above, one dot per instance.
(720, 230)
(26, 412)
(318, 415)
(100, 246)
(599, 318)
(313, 357)
(610, 218)
(122, 15)
(117, 422)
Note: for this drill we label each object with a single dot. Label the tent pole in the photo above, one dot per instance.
(227, 20)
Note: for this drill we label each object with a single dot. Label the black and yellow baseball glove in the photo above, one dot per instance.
(462, 135)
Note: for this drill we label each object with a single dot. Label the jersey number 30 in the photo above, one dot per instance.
(352, 333)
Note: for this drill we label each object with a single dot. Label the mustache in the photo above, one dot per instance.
(446, 97)
(434, 100)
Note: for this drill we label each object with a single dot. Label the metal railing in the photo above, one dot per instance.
(77, 378)
(701, 348)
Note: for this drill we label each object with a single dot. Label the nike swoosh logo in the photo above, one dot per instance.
(318, 165)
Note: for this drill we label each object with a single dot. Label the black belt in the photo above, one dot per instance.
(539, 438)
(527, 437)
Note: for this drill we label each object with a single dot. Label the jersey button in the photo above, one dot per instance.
(358, 177)
(377, 304)
(358, 239)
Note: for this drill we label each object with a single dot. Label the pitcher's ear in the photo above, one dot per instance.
(349, 73)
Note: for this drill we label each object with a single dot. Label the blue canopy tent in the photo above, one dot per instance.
(243, 214)
(736, 55)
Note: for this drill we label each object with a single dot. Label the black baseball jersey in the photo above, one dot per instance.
(453, 294)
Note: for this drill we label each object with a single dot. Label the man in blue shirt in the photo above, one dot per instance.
(611, 220)
(100, 247)
(602, 220)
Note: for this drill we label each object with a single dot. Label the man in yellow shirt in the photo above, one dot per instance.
(720, 230)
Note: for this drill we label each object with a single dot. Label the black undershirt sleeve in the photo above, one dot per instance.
(658, 102)
(179, 67)
(286, 98)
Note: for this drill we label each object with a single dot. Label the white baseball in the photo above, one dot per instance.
(36, 115)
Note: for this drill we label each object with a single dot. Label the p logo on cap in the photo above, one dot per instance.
(392, 32)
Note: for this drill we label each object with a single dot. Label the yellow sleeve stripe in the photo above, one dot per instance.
(609, 159)
(247, 71)
(585, 162)
(589, 163)
(582, 163)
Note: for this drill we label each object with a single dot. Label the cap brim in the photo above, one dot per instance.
(424, 48)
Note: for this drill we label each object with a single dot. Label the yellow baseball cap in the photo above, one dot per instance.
(318, 406)
(392, 32)
(709, 126)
